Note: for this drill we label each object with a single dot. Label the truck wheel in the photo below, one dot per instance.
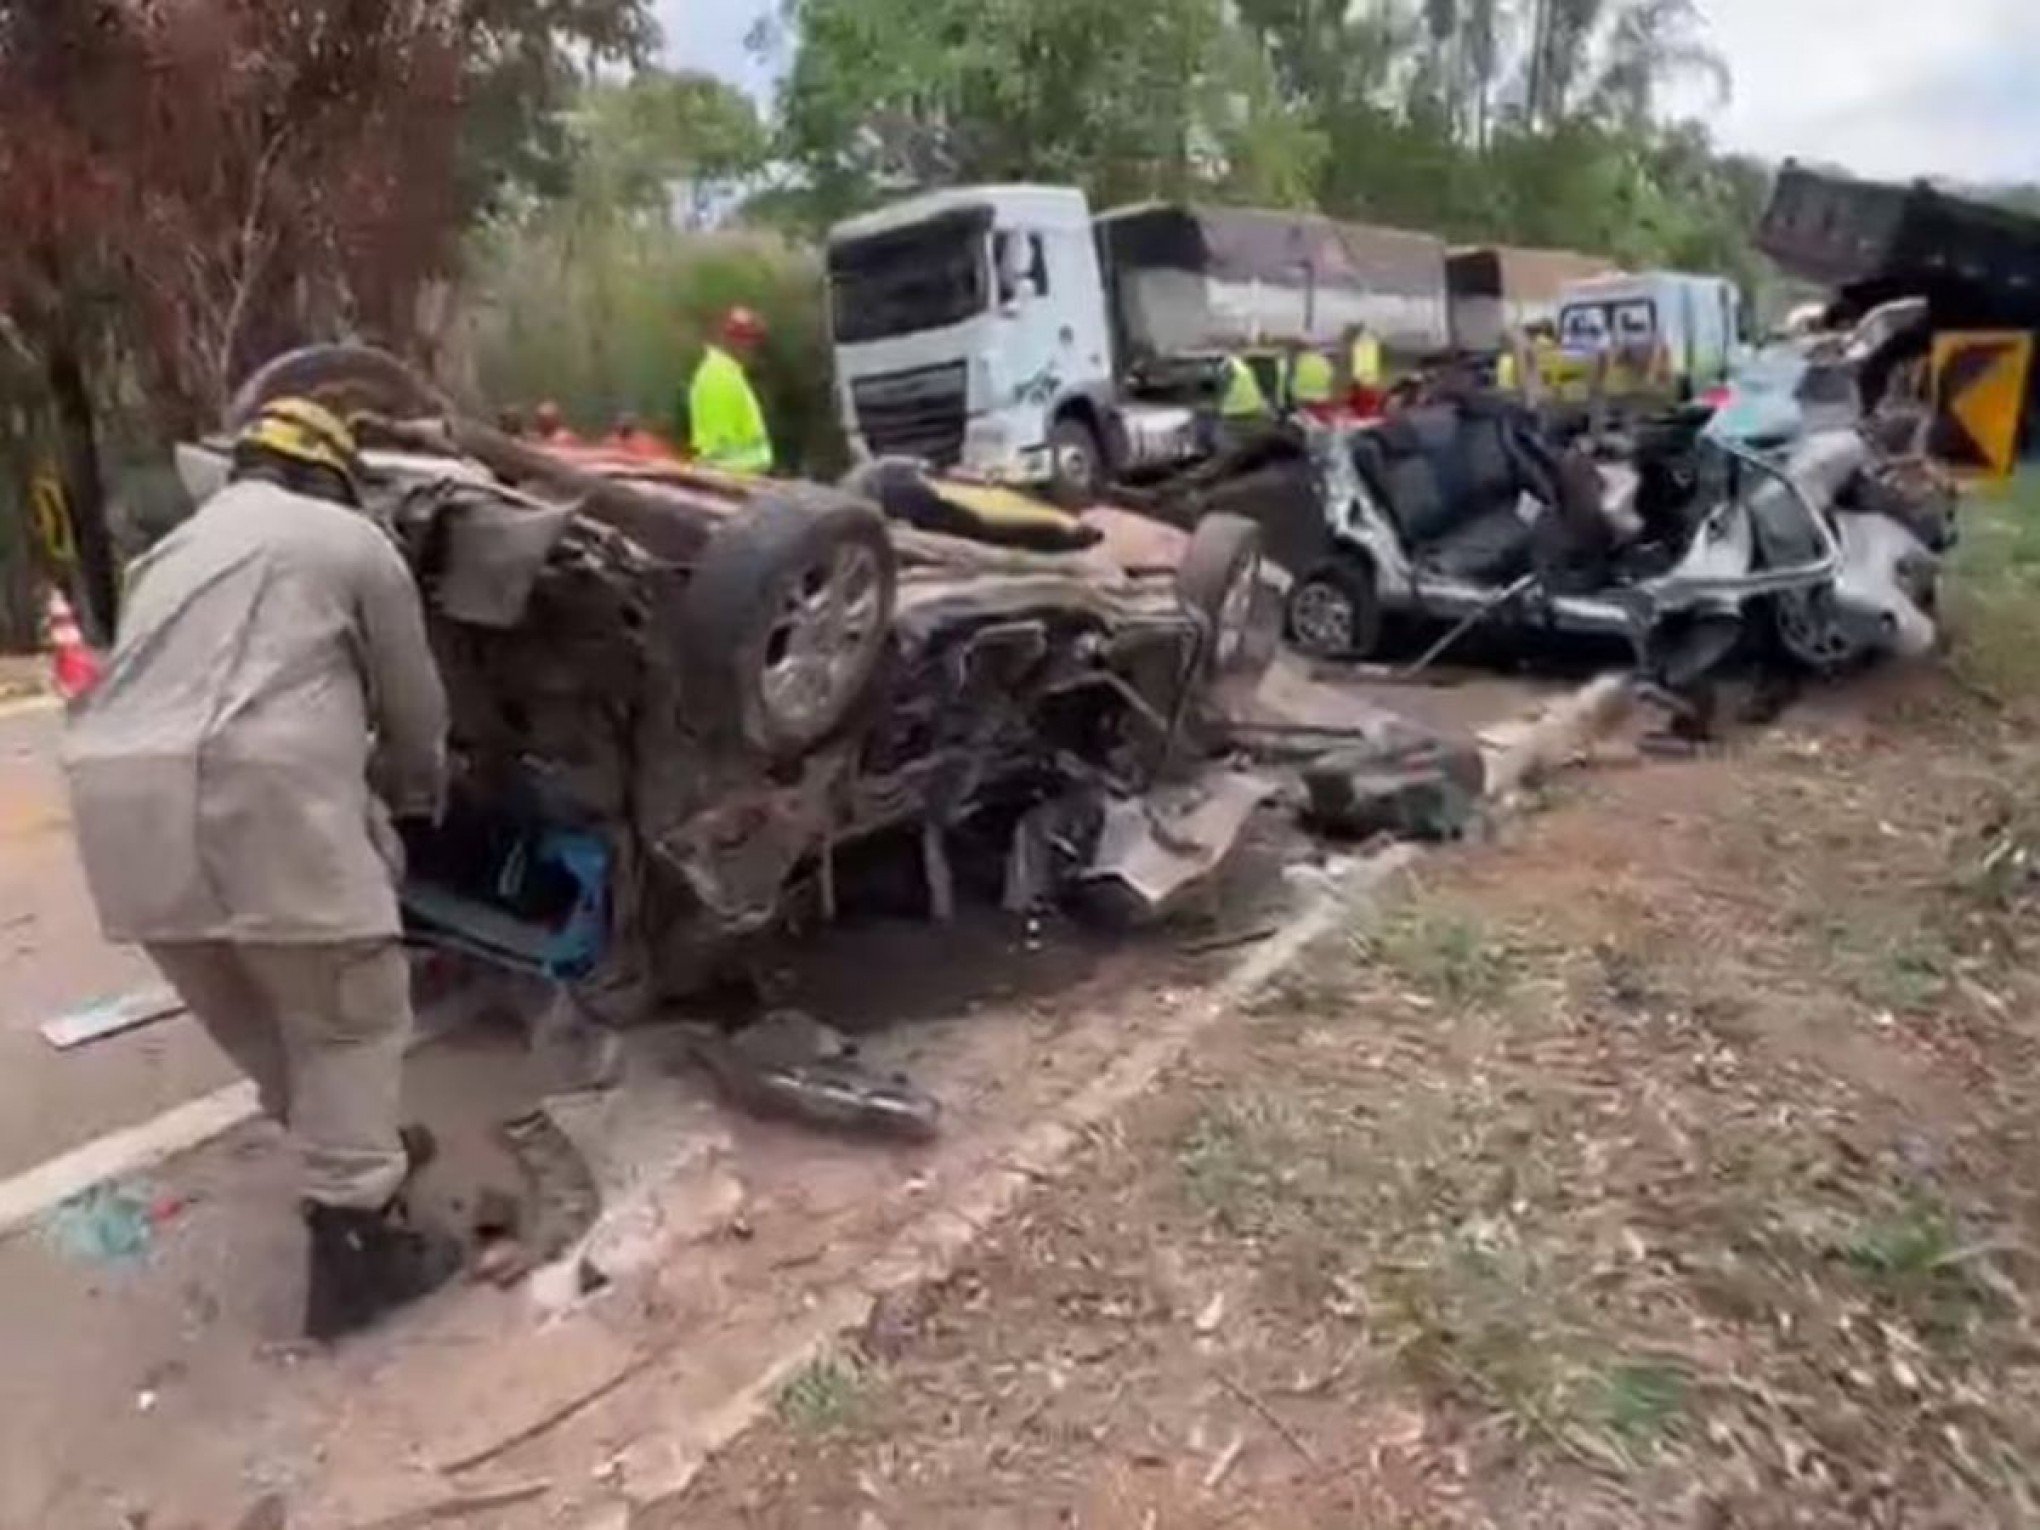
(1076, 463)
(786, 622)
(1334, 611)
(1218, 579)
(347, 379)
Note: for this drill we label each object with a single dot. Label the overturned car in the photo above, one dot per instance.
(679, 698)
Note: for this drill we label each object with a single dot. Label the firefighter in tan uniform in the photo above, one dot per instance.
(270, 701)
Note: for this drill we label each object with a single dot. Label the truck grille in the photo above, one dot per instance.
(913, 414)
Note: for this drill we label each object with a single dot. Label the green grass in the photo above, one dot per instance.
(1449, 953)
(825, 1396)
(1992, 590)
(1903, 971)
(1915, 1262)
(1641, 1402)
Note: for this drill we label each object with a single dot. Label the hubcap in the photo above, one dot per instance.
(1073, 465)
(821, 639)
(1812, 632)
(1322, 617)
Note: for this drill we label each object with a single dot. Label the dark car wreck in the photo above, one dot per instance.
(679, 698)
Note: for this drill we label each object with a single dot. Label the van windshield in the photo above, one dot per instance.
(1626, 323)
(920, 277)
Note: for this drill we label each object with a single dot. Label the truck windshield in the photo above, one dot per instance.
(920, 277)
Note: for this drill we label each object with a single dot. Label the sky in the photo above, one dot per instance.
(1886, 88)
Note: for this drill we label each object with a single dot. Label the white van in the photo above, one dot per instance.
(1661, 329)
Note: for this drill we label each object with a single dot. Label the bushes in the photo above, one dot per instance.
(612, 316)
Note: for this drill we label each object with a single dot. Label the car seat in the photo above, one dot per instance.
(1452, 481)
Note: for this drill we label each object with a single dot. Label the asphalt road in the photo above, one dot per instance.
(52, 959)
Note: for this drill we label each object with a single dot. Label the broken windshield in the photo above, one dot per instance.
(920, 277)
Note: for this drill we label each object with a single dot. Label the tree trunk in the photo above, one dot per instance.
(1540, 44)
(84, 493)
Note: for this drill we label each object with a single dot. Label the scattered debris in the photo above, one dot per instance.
(790, 1065)
(108, 1224)
(1213, 1314)
(560, 1200)
(1354, 796)
(110, 1017)
(1224, 1462)
(1157, 849)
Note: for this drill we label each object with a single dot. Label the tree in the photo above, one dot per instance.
(1161, 99)
(525, 62)
(644, 141)
(210, 181)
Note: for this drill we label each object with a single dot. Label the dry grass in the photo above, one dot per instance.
(1668, 1163)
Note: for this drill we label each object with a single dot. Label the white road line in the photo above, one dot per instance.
(137, 1149)
(27, 1196)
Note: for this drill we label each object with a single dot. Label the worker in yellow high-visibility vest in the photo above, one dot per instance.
(1363, 357)
(1361, 373)
(1311, 378)
(1243, 401)
(725, 424)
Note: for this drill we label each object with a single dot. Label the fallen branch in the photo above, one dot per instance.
(578, 1403)
(1226, 940)
(1268, 1416)
(460, 1506)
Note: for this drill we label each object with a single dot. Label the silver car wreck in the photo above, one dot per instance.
(1797, 525)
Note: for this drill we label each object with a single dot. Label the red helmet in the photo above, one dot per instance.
(742, 326)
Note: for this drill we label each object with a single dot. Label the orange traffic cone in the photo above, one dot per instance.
(73, 665)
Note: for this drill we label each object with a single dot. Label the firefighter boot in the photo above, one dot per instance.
(365, 1264)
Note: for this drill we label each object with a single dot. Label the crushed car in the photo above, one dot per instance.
(681, 698)
(1809, 530)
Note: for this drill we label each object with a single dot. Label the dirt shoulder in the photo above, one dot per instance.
(1666, 1162)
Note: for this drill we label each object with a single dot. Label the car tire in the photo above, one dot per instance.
(1076, 463)
(1219, 581)
(347, 379)
(787, 621)
(1334, 611)
(1813, 634)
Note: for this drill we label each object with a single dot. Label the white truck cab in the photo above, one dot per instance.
(967, 324)
(1008, 331)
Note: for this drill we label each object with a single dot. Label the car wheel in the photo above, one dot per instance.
(1219, 579)
(1076, 463)
(786, 622)
(347, 379)
(1334, 611)
(1813, 633)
